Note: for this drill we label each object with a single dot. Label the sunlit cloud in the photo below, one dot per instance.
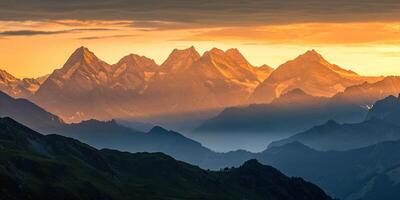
(105, 37)
(391, 54)
(166, 25)
(309, 33)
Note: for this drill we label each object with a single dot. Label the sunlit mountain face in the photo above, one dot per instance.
(185, 99)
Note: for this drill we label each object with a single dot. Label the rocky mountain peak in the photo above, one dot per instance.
(311, 55)
(135, 60)
(82, 54)
(6, 77)
(181, 59)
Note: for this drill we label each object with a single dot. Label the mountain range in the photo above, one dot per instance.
(136, 87)
(34, 166)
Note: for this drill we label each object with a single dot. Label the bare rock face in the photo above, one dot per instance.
(87, 87)
(132, 72)
(180, 59)
(189, 82)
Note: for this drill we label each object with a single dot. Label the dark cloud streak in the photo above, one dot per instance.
(30, 33)
(204, 12)
(36, 32)
(105, 37)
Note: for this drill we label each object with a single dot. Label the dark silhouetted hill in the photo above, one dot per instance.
(34, 166)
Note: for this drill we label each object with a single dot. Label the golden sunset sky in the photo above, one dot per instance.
(36, 39)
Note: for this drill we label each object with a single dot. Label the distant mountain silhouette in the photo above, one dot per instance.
(292, 112)
(55, 167)
(381, 124)
(366, 173)
(28, 113)
(372, 189)
(387, 109)
(309, 72)
(105, 134)
(110, 134)
(334, 136)
(341, 173)
(114, 136)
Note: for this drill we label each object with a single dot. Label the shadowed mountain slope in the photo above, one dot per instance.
(381, 124)
(33, 166)
(292, 112)
(341, 173)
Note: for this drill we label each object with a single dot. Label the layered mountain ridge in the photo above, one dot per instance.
(36, 166)
(348, 106)
(294, 159)
(86, 87)
(350, 172)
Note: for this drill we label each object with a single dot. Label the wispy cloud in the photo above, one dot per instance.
(391, 54)
(306, 33)
(105, 37)
(40, 32)
(29, 33)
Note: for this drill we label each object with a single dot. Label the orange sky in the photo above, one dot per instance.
(35, 48)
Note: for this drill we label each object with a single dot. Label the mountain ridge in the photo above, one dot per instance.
(65, 168)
